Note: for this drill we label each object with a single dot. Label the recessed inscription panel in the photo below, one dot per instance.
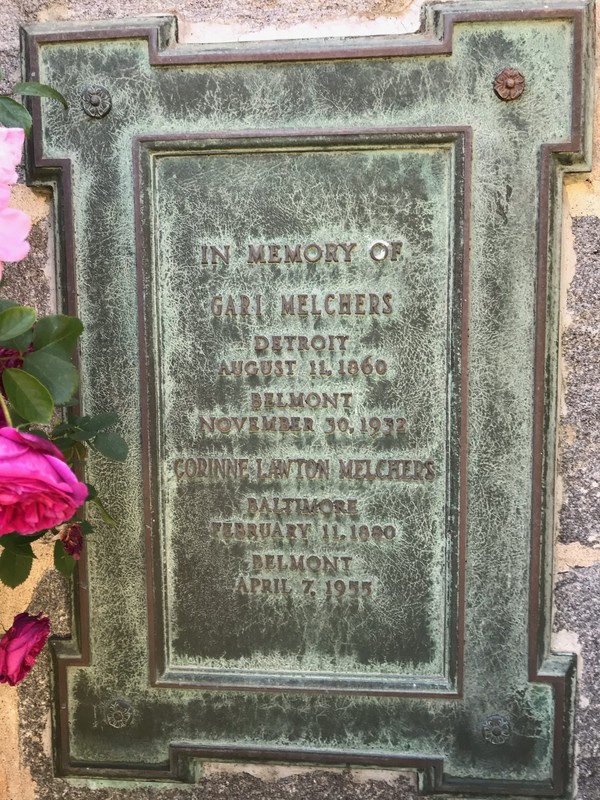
(303, 306)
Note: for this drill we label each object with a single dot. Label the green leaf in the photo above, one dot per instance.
(20, 343)
(39, 433)
(18, 421)
(63, 562)
(62, 427)
(106, 517)
(64, 443)
(98, 423)
(86, 528)
(80, 436)
(15, 321)
(80, 451)
(77, 422)
(92, 493)
(60, 377)
(20, 543)
(33, 89)
(111, 445)
(60, 331)
(30, 398)
(15, 566)
(7, 304)
(13, 114)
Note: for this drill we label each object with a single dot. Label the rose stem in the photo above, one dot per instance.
(5, 410)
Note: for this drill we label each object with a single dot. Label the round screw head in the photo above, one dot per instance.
(509, 84)
(119, 713)
(496, 729)
(96, 101)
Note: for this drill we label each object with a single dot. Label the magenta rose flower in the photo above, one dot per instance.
(20, 646)
(38, 490)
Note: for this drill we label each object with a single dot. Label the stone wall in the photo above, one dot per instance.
(25, 730)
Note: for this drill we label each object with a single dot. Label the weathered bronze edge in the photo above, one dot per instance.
(310, 687)
(43, 170)
(430, 768)
(216, 142)
(562, 685)
(430, 42)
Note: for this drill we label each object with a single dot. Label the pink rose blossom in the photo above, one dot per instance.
(37, 488)
(14, 230)
(14, 224)
(20, 646)
(11, 150)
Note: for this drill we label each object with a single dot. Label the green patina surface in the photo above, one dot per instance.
(347, 196)
(210, 632)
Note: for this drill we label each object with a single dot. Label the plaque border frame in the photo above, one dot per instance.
(316, 140)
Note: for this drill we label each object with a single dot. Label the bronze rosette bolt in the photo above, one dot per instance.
(509, 84)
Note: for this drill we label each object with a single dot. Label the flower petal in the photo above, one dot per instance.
(11, 148)
(4, 195)
(38, 490)
(15, 226)
(20, 646)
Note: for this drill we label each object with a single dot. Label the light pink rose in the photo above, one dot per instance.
(20, 646)
(37, 488)
(14, 230)
(11, 150)
(14, 224)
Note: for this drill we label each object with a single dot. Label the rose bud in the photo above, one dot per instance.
(72, 540)
(20, 646)
(10, 359)
(37, 488)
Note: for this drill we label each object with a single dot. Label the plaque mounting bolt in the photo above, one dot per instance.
(496, 729)
(119, 713)
(509, 84)
(96, 101)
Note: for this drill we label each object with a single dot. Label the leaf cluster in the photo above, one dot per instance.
(16, 558)
(74, 436)
(13, 114)
(47, 377)
(38, 379)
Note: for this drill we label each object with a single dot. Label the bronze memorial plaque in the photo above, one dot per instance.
(325, 273)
